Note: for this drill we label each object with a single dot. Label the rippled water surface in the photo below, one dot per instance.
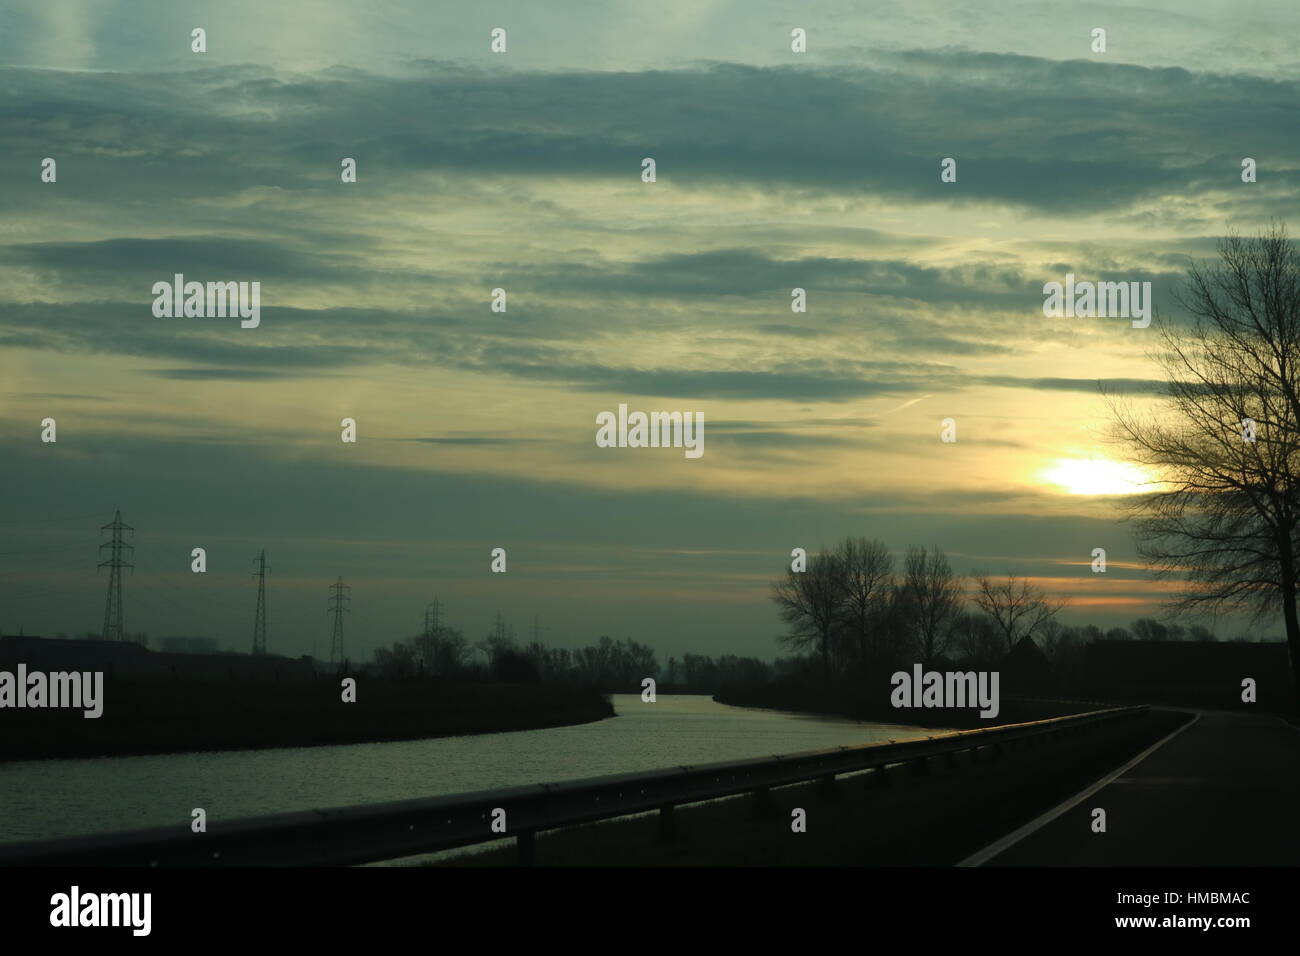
(62, 797)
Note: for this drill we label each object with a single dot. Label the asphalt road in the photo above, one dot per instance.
(1224, 791)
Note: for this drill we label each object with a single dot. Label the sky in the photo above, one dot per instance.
(522, 171)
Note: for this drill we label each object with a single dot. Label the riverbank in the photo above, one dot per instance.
(155, 717)
(850, 701)
(936, 819)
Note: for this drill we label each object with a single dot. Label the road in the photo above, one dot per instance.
(1222, 791)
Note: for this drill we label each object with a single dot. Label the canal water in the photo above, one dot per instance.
(50, 798)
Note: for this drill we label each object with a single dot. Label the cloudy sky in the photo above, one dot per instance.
(522, 171)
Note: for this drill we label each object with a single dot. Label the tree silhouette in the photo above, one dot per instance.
(867, 569)
(1225, 510)
(1016, 607)
(811, 603)
(933, 596)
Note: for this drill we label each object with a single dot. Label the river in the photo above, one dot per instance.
(49, 798)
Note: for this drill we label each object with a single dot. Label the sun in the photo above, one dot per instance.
(1097, 476)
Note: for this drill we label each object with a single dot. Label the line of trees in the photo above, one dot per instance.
(941, 621)
(445, 652)
(615, 665)
(852, 609)
(851, 613)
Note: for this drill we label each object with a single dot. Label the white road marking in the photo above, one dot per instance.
(1011, 839)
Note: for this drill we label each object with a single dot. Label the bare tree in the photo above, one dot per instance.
(597, 662)
(1224, 448)
(933, 597)
(1016, 607)
(1149, 629)
(635, 662)
(868, 574)
(811, 602)
(398, 663)
(448, 651)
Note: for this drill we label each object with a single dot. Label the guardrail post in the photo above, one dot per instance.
(763, 805)
(880, 778)
(525, 842)
(667, 824)
(921, 768)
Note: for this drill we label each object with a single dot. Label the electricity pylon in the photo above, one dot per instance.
(115, 564)
(337, 602)
(432, 629)
(259, 619)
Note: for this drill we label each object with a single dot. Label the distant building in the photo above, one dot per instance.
(1025, 671)
(1202, 673)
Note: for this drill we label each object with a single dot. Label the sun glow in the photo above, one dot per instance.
(1097, 476)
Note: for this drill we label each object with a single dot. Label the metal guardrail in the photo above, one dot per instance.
(384, 831)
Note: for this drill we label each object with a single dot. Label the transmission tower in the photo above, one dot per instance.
(338, 600)
(115, 564)
(432, 618)
(432, 629)
(259, 619)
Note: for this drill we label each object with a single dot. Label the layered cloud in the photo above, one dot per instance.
(924, 298)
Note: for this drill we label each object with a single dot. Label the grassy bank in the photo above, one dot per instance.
(928, 820)
(144, 717)
(851, 701)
